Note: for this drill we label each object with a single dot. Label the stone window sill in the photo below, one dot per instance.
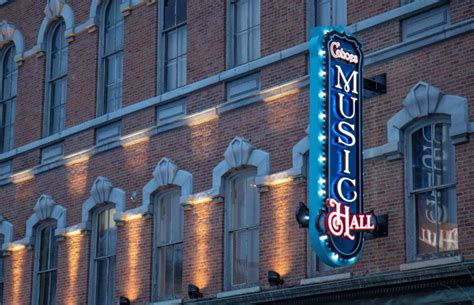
(326, 278)
(232, 293)
(168, 302)
(431, 263)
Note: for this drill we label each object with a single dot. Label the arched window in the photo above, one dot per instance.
(56, 79)
(111, 58)
(242, 230)
(45, 264)
(7, 97)
(169, 245)
(431, 215)
(104, 238)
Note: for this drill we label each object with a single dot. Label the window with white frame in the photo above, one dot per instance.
(174, 37)
(7, 97)
(2, 269)
(244, 31)
(104, 238)
(45, 265)
(56, 79)
(242, 230)
(169, 245)
(329, 12)
(111, 58)
(432, 228)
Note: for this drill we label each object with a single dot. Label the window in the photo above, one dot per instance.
(103, 257)
(46, 257)
(175, 44)
(169, 245)
(2, 269)
(330, 12)
(56, 80)
(431, 212)
(7, 97)
(110, 89)
(244, 26)
(242, 229)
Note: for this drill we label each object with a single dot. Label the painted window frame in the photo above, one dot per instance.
(410, 206)
(245, 172)
(162, 47)
(156, 280)
(93, 255)
(57, 25)
(230, 34)
(37, 256)
(101, 107)
(6, 52)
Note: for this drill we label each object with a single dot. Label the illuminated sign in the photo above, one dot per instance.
(337, 221)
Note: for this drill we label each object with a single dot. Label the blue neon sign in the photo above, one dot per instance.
(337, 221)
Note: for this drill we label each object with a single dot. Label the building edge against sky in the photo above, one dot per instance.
(149, 145)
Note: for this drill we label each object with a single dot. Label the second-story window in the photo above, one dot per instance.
(330, 12)
(175, 44)
(431, 213)
(110, 89)
(46, 257)
(169, 245)
(244, 25)
(242, 230)
(56, 80)
(7, 97)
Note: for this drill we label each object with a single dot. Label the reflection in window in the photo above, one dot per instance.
(175, 44)
(7, 97)
(432, 190)
(242, 223)
(169, 245)
(103, 257)
(245, 25)
(56, 79)
(46, 257)
(112, 58)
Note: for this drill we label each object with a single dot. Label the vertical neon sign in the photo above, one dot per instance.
(335, 159)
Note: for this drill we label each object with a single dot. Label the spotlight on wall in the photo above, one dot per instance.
(124, 301)
(193, 292)
(381, 227)
(274, 278)
(302, 215)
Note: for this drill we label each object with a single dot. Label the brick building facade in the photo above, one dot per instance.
(135, 132)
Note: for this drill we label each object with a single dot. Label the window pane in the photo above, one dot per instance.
(427, 212)
(44, 248)
(251, 206)
(441, 154)
(252, 263)
(181, 73)
(239, 255)
(254, 14)
(102, 234)
(43, 288)
(448, 227)
(181, 11)
(171, 74)
(238, 202)
(178, 269)
(241, 48)
(53, 281)
(171, 45)
(101, 282)
(242, 16)
(161, 272)
(182, 40)
(111, 281)
(169, 13)
(254, 48)
(112, 232)
(422, 158)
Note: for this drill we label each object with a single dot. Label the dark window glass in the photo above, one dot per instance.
(56, 79)
(169, 242)
(174, 32)
(46, 261)
(7, 97)
(112, 58)
(433, 190)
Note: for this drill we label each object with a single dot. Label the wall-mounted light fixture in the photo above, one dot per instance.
(193, 292)
(381, 227)
(274, 278)
(302, 215)
(124, 301)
